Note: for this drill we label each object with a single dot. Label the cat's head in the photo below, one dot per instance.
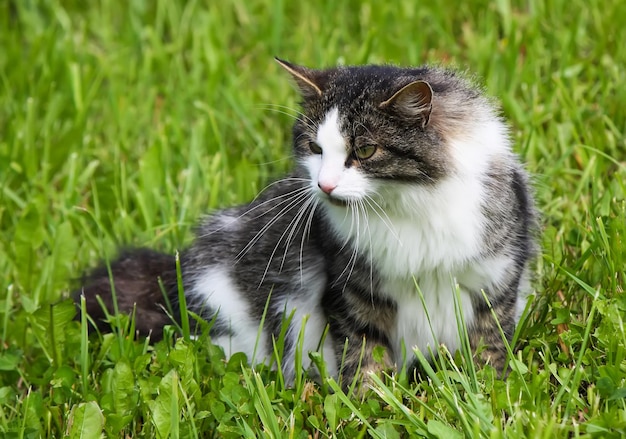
(366, 129)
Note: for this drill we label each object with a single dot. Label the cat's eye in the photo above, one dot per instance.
(365, 152)
(315, 148)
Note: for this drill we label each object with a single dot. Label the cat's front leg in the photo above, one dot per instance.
(361, 324)
(485, 332)
(361, 357)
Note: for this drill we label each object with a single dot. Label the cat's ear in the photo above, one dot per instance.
(308, 80)
(413, 101)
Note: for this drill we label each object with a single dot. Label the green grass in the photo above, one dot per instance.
(121, 123)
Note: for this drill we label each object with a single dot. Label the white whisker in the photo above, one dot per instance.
(355, 223)
(291, 202)
(306, 232)
(294, 229)
(370, 250)
(375, 207)
(293, 226)
(294, 113)
(262, 204)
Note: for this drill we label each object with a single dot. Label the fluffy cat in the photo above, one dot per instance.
(404, 187)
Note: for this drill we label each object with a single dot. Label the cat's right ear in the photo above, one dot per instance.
(413, 101)
(307, 79)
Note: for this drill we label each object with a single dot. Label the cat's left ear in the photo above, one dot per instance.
(413, 101)
(308, 80)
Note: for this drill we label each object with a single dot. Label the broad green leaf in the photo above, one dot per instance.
(63, 252)
(49, 323)
(442, 431)
(331, 404)
(10, 359)
(28, 238)
(86, 421)
(386, 430)
(166, 405)
(124, 389)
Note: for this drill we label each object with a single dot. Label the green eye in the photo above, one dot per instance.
(365, 152)
(315, 148)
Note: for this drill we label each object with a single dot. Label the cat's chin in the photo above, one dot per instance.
(337, 202)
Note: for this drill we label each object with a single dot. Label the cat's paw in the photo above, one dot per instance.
(377, 364)
(366, 381)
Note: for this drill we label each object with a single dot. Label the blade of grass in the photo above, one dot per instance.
(182, 300)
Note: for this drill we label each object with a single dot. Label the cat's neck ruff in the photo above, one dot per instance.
(416, 230)
(413, 229)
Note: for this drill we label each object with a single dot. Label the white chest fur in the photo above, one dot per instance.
(429, 311)
(424, 243)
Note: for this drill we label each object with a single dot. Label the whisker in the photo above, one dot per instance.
(278, 110)
(258, 206)
(355, 254)
(347, 240)
(296, 221)
(375, 207)
(371, 250)
(306, 232)
(293, 113)
(293, 227)
(291, 203)
(282, 180)
(349, 268)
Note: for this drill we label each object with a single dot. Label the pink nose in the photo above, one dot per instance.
(326, 187)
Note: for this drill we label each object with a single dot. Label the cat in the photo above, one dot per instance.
(405, 199)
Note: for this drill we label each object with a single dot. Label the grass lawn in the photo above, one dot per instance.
(122, 122)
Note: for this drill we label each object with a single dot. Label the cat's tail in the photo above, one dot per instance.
(142, 278)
